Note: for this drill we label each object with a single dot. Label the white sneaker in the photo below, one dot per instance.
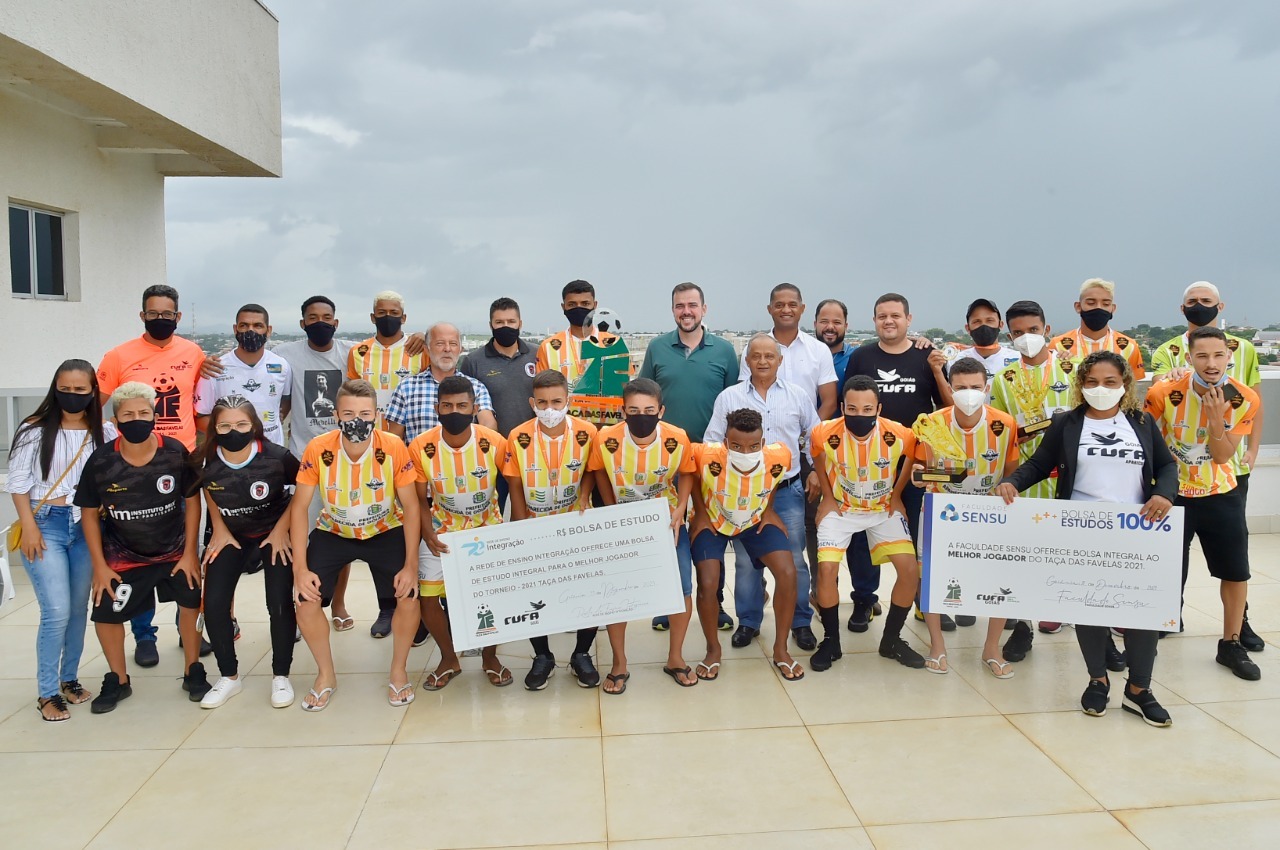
(281, 692)
(222, 690)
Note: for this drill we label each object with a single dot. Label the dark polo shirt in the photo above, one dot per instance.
(690, 378)
(508, 379)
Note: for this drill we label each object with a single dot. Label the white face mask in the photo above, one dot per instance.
(550, 418)
(745, 461)
(969, 401)
(1029, 345)
(1103, 398)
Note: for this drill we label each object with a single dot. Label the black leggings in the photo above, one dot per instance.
(1139, 651)
(220, 580)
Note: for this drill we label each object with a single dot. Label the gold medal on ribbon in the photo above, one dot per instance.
(946, 461)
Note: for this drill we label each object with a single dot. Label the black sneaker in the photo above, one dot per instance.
(1019, 643)
(111, 692)
(1145, 706)
(948, 624)
(828, 653)
(860, 619)
(544, 667)
(1095, 698)
(196, 682)
(661, 624)
(235, 629)
(145, 654)
(965, 620)
(1115, 659)
(899, 650)
(743, 636)
(1009, 624)
(805, 638)
(877, 610)
(382, 626)
(421, 637)
(1232, 654)
(1249, 638)
(724, 622)
(584, 670)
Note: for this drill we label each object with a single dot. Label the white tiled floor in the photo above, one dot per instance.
(868, 755)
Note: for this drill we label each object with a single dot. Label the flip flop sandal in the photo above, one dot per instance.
(504, 677)
(621, 677)
(675, 676)
(435, 681)
(342, 624)
(324, 694)
(57, 702)
(74, 693)
(937, 662)
(790, 668)
(401, 699)
(1001, 670)
(713, 670)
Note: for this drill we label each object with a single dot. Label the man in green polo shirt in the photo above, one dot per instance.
(693, 366)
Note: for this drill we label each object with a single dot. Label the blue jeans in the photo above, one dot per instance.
(748, 584)
(866, 575)
(143, 626)
(61, 579)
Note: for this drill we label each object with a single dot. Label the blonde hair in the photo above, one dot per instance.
(389, 295)
(1202, 284)
(1132, 401)
(1098, 283)
(132, 390)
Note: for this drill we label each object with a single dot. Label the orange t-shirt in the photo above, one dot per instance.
(1185, 425)
(987, 448)
(735, 501)
(550, 469)
(355, 499)
(862, 472)
(647, 472)
(1075, 346)
(173, 371)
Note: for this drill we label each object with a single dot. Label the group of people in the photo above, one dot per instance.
(799, 452)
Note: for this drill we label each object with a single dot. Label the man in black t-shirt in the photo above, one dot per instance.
(145, 544)
(912, 380)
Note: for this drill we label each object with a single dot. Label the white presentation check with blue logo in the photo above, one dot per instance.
(1092, 563)
(561, 573)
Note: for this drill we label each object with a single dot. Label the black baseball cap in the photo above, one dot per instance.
(981, 302)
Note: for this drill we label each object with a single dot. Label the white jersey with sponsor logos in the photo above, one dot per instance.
(266, 384)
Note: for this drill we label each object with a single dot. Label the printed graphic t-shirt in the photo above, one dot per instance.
(173, 371)
(1109, 462)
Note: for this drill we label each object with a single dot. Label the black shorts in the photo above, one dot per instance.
(137, 590)
(1219, 522)
(327, 554)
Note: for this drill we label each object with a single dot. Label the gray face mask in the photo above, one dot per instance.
(356, 430)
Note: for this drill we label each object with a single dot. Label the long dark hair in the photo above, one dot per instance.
(43, 425)
(222, 405)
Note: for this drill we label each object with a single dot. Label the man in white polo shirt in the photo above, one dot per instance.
(252, 371)
(806, 362)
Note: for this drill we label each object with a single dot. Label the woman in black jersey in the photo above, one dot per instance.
(248, 483)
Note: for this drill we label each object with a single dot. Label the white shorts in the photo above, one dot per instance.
(887, 535)
(430, 573)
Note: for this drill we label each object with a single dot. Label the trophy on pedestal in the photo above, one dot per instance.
(1030, 401)
(946, 457)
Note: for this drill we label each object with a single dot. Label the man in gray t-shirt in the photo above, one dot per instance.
(317, 374)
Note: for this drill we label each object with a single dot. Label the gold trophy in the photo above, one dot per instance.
(1030, 401)
(946, 462)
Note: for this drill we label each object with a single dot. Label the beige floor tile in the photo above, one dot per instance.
(1090, 829)
(278, 796)
(1017, 779)
(250, 650)
(1187, 667)
(17, 695)
(1117, 758)
(18, 650)
(643, 802)
(545, 792)
(851, 838)
(1255, 719)
(1264, 606)
(864, 687)
(645, 646)
(354, 651)
(747, 695)
(159, 716)
(23, 610)
(975, 635)
(1241, 826)
(358, 714)
(91, 788)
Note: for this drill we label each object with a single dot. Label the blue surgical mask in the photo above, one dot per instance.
(1195, 376)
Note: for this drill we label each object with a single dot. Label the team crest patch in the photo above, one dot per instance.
(326, 457)
(776, 469)
(997, 427)
(834, 441)
(1009, 376)
(582, 437)
(165, 484)
(523, 440)
(1067, 343)
(1233, 344)
(429, 449)
(890, 438)
(362, 350)
(258, 490)
(1175, 350)
(1176, 397)
(555, 343)
(1067, 366)
(379, 455)
(484, 444)
(1123, 342)
(530, 369)
(715, 468)
(1236, 401)
(670, 444)
(611, 445)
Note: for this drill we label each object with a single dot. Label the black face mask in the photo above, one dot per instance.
(1095, 319)
(136, 430)
(234, 441)
(577, 316)
(984, 335)
(1200, 315)
(642, 424)
(455, 423)
(160, 329)
(505, 335)
(251, 341)
(320, 333)
(388, 325)
(73, 402)
(356, 430)
(859, 426)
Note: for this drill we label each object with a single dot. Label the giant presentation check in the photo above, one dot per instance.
(1094, 563)
(561, 573)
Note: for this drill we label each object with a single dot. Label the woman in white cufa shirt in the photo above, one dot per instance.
(49, 452)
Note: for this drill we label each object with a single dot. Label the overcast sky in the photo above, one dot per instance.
(947, 150)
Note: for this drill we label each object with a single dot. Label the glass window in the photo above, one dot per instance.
(20, 250)
(35, 253)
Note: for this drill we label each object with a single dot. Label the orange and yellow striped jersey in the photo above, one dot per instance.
(563, 353)
(735, 500)
(384, 366)
(643, 472)
(358, 497)
(463, 483)
(1185, 425)
(550, 469)
(862, 472)
(1075, 346)
(987, 448)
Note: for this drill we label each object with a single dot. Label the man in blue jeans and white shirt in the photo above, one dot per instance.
(789, 415)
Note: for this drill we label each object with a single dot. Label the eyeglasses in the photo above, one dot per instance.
(152, 315)
(227, 428)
